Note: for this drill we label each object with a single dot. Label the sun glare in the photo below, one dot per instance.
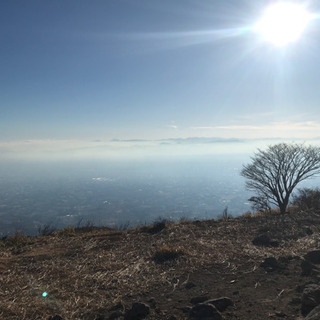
(283, 23)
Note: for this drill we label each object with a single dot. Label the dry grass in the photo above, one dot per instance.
(167, 253)
(87, 272)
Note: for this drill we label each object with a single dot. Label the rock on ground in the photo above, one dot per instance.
(138, 311)
(264, 241)
(314, 314)
(205, 311)
(310, 298)
(270, 264)
(313, 256)
(221, 303)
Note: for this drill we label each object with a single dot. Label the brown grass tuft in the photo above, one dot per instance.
(167, 253)
(67, 232)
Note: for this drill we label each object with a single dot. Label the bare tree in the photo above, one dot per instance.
(274, 173)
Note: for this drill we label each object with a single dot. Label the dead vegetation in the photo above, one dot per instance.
(167, 253)
(87, 273)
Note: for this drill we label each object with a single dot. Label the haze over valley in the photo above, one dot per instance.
(118, 193)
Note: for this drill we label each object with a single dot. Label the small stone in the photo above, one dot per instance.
(185, 309)
(221, 303)
(138, 311)
(115, 315)
(157, 310)
(270, 264)
(116, 307)
(313, 256)
(157, 227)
(190, 285)
(265, 241)
(314, 314)
(199, 299)
(152, 303)
(203, 311)
(261, 240)
(310, 298)
(280, 314)
(308, 231)
(300, 288)
(306, 267)
(274, 243)
(295, 301)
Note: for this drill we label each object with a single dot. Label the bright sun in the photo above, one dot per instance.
(283, 23)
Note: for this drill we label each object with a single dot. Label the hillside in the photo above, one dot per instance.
(99, 273)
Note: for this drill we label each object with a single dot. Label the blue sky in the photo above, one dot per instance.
(108, 78)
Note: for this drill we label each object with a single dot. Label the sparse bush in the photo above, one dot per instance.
(87, 227)
(46, 230)
(259, 214)
(260, 204)
(184, 220)
(67, 232)
(158, 226)
(17, 243)
(307, 199)
(266, 213)
(167, 253)
(247, 215)
(17, 239)
(225, 215)
(122, 226)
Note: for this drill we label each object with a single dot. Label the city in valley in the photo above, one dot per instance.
(118, 194)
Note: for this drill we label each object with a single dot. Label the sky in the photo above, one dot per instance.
(129, 78)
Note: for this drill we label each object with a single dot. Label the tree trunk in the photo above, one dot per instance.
(283, 205)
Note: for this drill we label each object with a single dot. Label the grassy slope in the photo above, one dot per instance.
(86, 274)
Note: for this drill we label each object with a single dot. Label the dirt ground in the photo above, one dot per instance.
(98, 273)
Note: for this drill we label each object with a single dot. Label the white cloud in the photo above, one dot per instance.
(280, 129)
(192, 140)
(56, 149)
(203, 128)
(172, 126)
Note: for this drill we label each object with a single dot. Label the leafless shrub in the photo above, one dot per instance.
(88, 226)
(46, 230)
(225, 215)
(307, 199)
(69, 231)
